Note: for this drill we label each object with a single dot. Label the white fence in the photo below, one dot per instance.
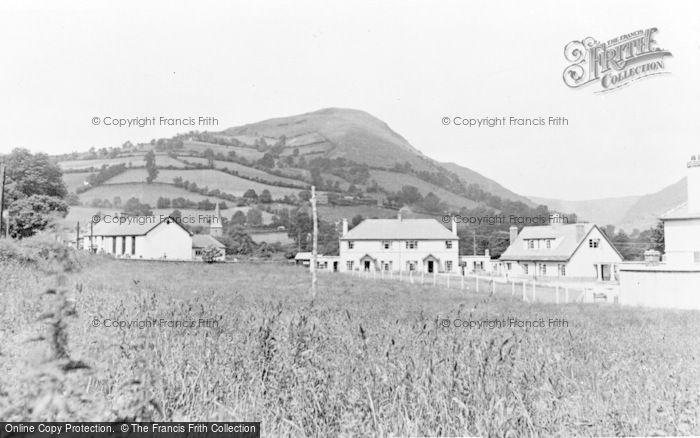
(525, 289)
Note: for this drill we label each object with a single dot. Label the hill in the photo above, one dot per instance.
(627, 213)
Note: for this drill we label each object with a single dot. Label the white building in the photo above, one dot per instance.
(479, 264)
(150, 237)
(675, 282)
(423, 245)
(571, 251)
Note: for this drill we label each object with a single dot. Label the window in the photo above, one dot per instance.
(123, 244)
(530, 244)
(562, 270)
(448, 265)
(549, 243)
(411, 265)
(349, 264)
(593, 243)
(114, 244)
(508, 266)
(448, 244)
(543, 269)
(198, 252)
(133, 245)
(351, 244)
(386, 266)
(525, 269)
(386, 244)
(411, 244)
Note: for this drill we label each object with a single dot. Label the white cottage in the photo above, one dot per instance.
(145, 237)
(572, 251)
(675, 281)
(403, 245)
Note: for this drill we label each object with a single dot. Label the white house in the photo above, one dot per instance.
(145, 237)
(150, 237)
(572, 251)
(399, 245)
(479, 264)
(675, 281)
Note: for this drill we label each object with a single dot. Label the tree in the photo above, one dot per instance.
(210, 253)
(266, 197)
(300, 228)
(250, 194)
(658, 241)
(356, 220)
(254, 217)
(134, 207)
(117, 202)
(237, 241)
(30, 174)
(176, 214)
(304, 195)
(150, 159)
(35, 213)
(238, 218)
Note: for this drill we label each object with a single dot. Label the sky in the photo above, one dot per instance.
(409, 63)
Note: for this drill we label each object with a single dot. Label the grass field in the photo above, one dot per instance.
(136, 161)
(367, 358)
(146, 193)
(231, 184)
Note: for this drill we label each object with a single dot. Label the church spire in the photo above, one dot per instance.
(216, 228)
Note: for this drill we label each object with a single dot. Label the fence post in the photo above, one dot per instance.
(448, 281)
(566, 294)
(461, 285)
(534, 291)
(556, 292)
(524, 291)
(477, 284)
(493, 286)
(512, 288)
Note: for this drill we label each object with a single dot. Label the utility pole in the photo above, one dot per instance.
(77, 235)
(2, 197)
(91, 236)
(314, 250)
(474, 240)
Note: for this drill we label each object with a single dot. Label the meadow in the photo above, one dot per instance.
(365, 358)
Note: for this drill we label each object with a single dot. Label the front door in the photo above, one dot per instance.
(606, 272)
(335, 266)
(430, 267)
(366, 265)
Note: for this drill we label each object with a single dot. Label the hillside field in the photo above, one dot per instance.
(146, 193)
(367, 358)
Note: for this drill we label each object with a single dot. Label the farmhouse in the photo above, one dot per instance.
(674, 281)
(573, 251)
(403, 245)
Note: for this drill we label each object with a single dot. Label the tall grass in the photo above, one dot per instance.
(367, 359)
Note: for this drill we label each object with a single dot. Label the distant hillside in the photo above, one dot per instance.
(599, 211)
(646, 211)
(336, 132)
(471, 177)
(627, 213)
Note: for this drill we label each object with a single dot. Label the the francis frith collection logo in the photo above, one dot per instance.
(614, 63)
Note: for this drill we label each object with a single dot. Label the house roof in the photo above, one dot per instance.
(567, 239)
(303, 256)
(680, 212)
(132, 226)
(399, 229)
(204, 240)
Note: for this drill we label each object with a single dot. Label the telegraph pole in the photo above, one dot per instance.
(314, 250)
(2, 197)
(474, 241)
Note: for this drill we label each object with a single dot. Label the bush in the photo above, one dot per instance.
(43, 252)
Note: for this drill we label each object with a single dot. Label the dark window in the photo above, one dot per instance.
(133, 245)
(123, 244)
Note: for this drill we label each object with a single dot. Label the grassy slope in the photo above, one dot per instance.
(146, 193)
(471, 177)
(215, 179)
(368, 359)
(393, 182)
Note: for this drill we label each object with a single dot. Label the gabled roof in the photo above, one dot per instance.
(204, 240)
(132, 226)
(680, 212)
(399, 229)
(567, 240)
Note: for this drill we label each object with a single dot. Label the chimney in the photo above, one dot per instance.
(454, 227)
(694, 184)
(487, 253)
(345, 226)
(513, 234)
(580, 230)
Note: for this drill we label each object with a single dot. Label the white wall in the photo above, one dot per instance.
(682, 241)
(169, 239)
(398, 254)
(582, 263)
(656, 288)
